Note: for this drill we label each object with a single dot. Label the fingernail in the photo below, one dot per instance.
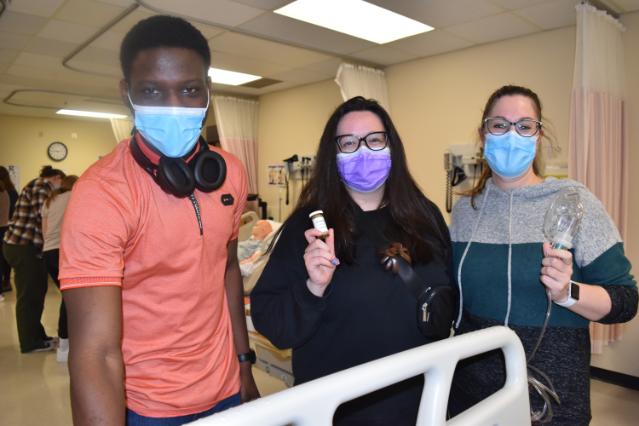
(335, 261)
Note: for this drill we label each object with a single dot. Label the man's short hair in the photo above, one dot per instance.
(162, 31)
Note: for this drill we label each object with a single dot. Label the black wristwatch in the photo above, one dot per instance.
(247, 357)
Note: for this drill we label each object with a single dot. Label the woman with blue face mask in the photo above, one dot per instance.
(328, 297)
(506, 269)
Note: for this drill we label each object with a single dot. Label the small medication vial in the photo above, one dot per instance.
(319, 223)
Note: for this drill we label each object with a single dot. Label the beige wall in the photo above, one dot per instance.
(622, 356)
(291, 122)
(24, 142)
(438, 101)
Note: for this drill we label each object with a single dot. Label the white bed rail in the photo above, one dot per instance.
(315, 402)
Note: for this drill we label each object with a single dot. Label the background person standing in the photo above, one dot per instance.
(52, 214)
(23, 250)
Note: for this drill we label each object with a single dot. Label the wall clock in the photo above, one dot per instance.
(57, 151)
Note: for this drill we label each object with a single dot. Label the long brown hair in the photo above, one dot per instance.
(509, 90)
(414, 215)
(5, 180)
(65, 186)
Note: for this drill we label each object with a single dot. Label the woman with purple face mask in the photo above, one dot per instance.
(331, 300)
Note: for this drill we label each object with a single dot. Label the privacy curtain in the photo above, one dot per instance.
(598, 135)
(236, 121)
(121, 128)
(358, 80)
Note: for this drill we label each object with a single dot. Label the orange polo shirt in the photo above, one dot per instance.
(121, 229)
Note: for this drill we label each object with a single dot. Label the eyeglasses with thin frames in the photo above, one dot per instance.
(526, 127)
(375, 141)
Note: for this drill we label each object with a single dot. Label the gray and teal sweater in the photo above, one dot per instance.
(497, 249)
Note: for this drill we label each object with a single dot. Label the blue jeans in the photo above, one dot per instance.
(134, 419)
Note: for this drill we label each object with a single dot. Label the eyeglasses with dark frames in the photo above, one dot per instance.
(375, 141)
(526, 127)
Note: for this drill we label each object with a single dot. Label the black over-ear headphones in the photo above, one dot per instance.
(206, 171)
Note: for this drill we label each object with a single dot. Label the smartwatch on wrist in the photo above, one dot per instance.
(247, 357)
(573, 295)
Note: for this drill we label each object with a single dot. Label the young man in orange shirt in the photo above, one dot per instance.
(149, 263)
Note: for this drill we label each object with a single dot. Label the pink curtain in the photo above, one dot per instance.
(236, 121)
(598, 137)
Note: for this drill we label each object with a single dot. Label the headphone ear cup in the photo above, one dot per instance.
(175, 177)
(209, 170)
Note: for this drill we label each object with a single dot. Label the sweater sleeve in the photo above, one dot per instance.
(282, 307)
(600, 255)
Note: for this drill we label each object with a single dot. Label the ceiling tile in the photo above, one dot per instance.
(109, 40)
(21, 23)
(327, 68)
(628, 5)
(208, 31)
(45, 46)
(13, 41)
(207, 11)
(67, 31)
(259, 49)
(519, 4)
(124, 25)
(35, 7)
(8, 55)
(382, 55)
(8, 88)
(41, 78)
(430, 43)
(124, 3)
(264, 4)
(38, 61)
(98, 56)
(299, 75)
(229, 61)
(92, 68)
(555, 14)
(137, 15)
(441, 13)
(222, 89)
(498, 27)
(57, 99)
(297, 33)
(87, 12)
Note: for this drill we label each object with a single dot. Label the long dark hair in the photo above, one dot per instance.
(65, 186)
(413, 214)
(48, 171)
(5, 180)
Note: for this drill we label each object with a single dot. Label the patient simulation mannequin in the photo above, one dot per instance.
(251, 249)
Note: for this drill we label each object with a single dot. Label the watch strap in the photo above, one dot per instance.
(573, 295)
(247, 357)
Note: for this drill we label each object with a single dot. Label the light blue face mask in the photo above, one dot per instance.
(509, 155)
(173, 131)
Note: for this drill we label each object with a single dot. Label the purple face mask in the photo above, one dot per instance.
(364, 170)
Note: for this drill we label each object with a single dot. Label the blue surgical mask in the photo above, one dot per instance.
(509, 155)
(173, 131)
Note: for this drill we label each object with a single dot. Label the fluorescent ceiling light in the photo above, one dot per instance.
(356, 18)
(231, 78)
(91, 114)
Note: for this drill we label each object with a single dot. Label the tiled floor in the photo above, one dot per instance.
(35, 388)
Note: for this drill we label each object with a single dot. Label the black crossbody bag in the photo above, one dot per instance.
(436, 305)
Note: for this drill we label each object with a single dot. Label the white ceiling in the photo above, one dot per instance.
(56, 53)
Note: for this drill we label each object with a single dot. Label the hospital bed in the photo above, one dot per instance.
(314, 403)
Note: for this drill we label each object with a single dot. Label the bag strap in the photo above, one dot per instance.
(407, 274)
